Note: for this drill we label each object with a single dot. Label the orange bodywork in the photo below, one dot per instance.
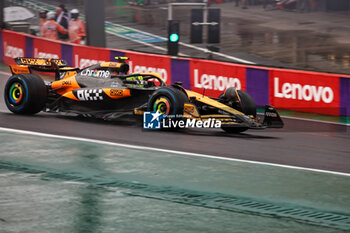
(70, 95)
(19, 69)
(65, 85)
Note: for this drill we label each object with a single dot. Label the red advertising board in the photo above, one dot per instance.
(43, 48)
(150, 63)
(84, 56)
(14, 45)
(215, 76)
(305, 91)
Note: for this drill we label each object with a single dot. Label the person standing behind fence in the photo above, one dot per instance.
(51, 28)
(62, 17)
(76, 28)
(43, 17)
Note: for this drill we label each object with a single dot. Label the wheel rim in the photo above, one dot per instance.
(16, 93)
(162, 105)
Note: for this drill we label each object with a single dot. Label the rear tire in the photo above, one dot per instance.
(167, 100)
(25, 94)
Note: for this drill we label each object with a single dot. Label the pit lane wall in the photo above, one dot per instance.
(304, 91)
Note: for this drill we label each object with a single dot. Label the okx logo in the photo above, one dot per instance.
(152, 120)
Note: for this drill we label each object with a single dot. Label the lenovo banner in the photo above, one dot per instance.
(43, 48)
(305, 91)
(214, 77)
(14, 45)
(84, 56)
(150, 63)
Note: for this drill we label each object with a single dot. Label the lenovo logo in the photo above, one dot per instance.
(213, 82)
(83, 62)
(144, 69)
(303, 92)
(13, 52)
(38, 54)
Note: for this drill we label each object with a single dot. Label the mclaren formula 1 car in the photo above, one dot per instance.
(106, 90)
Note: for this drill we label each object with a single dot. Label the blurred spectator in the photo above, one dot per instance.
(42, 16)
(62, 17)
(76, 28)
(51, 28)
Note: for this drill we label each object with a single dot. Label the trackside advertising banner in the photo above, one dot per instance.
(150, 63)
(215, 76)
(305, 91)
(84, 56)
(14, 45)
(288, 89)
(46, 49)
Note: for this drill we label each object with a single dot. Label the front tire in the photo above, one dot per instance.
(25, 94)
(246, 105)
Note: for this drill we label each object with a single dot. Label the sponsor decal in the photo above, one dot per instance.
(111, 64)
(41, 62)
(271, 114)
(89, 94)
(66, 83)
(116, 92)
(156, 120)
(96, 73)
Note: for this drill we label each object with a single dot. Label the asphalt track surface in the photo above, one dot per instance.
(300, 143)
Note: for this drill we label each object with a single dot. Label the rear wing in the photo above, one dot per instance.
(43, 62)
(25, 65)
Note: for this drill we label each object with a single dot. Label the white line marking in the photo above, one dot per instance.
(318, 121)
(129, 146)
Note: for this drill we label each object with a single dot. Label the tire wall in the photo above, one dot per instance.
(296, 90)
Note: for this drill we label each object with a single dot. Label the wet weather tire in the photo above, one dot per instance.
(167, 100)
(25, 94)
(248, 103)
(247, 106)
